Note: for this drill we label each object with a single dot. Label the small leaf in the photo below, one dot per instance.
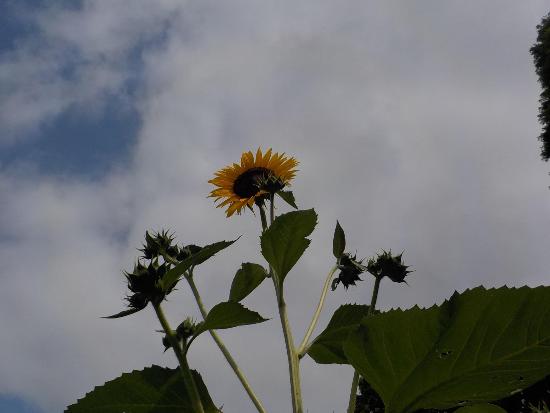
(153, 389)
(479, 346)
(228, 315)
(327, 347)
(288, 197)
(173, 275)
(124, 313)
(284, 242)
(247, 278)
(338, 241)
(481, 408)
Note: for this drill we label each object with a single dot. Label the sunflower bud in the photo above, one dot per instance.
(144, 282)
(350, 268)
(157, 244)
(387, 265)
(186, 329)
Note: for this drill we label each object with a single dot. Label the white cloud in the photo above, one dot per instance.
(415, 132)
(74, 58)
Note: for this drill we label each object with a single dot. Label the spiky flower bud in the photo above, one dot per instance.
(186, 329)
(144, 283)
(350, 268)
(387, 265)
(157, 244)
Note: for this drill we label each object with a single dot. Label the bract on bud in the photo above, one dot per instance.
(166, 342)
(350, 268)
(387, 265)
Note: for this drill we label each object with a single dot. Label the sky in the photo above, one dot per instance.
(415, 125)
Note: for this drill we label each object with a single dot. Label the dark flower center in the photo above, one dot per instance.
(248, 183)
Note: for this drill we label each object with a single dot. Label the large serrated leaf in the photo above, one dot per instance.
(284, 242)
(247, 278)
(479, 346)
(327, 347)
(152, 390)
(228, 315)
(171, 277)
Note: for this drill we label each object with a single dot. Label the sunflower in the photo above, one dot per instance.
(240, 186)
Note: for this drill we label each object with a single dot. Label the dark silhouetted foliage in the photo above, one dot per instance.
(541, 56)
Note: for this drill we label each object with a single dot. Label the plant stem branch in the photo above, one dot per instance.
(240, 375)
(184, 366)
(355, 381)
(302, 349)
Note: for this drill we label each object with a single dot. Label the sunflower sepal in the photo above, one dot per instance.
(288, 197)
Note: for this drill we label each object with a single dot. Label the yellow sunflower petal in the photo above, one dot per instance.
(265, 159)
(258, 157)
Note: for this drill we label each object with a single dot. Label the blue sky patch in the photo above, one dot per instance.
(11, 404)
(78, 144)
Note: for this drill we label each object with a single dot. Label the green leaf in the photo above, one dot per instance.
(247, 278)
(227, 315)
(124, 313)
(172, 276)
(327, 347)
(479, 346)
(338, 241)
(154, 389)
(481, 408)
(284, 242)
(288, 197)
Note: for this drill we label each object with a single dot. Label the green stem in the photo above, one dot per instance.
(184, 366)
(263, 218)
(292, 355)
(355, 381)
(240, 375)
(353, 392)
(302, 349)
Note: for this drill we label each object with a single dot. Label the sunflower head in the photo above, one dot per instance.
(242, 185)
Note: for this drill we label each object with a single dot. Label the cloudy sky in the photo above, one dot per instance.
(415, 124)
